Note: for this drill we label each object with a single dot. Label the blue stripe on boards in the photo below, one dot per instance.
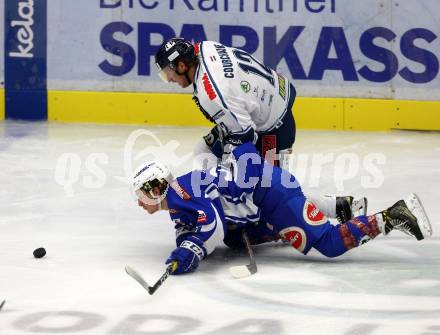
(26, 59)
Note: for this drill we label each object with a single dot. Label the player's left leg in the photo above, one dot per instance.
(300, 223)
(280, 141)
(406, 215)
(345, 236)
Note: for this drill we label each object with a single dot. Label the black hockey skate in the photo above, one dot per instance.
(407, 216)
(347, 208)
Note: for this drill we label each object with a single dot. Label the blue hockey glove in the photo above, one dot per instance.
(187, 256)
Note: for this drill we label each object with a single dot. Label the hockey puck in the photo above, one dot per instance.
(40, 252)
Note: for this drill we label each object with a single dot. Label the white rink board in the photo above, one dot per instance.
(75, 54)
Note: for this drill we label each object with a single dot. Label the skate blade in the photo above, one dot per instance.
(415, 206)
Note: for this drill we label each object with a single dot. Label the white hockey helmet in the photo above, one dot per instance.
(149, 175)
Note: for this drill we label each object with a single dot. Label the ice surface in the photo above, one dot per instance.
(63, 187)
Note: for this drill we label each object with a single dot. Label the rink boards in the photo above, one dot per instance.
(370, 65)
(179, 109)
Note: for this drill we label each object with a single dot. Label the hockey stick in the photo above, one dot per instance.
(151, 289)
(242, 271)
(2, 304)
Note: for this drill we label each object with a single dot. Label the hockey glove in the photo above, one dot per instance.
(239, 138)
(214, 140)
(187, 256)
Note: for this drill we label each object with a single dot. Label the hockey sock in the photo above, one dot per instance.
(343, 237)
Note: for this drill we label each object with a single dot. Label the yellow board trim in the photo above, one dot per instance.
(180, 110)
(140, 108)
(319, 113)
(2, 104)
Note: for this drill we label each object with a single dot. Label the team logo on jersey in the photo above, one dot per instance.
(180, 191)
(295, 236)
(201, 217)
(245, 86)
(313, 215)
(282, 86)
(196, 49)
(208, 87)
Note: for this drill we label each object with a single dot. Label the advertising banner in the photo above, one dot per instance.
(369, 49)
(333, 48)
(25, 59)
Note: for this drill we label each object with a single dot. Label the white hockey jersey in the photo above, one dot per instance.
(236, 91)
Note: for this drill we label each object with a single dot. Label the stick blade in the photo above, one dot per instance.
(136, 276)
(242, 271)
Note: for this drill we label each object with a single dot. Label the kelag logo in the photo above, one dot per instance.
(381, 54)
(25, 59)
(25, 34)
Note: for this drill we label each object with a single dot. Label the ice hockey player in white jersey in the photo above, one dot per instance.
(244, 98)
(247, 101)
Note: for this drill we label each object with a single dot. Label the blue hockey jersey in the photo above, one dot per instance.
(266, 200)
(245, 190)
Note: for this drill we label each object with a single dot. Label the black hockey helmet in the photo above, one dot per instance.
(172, 51)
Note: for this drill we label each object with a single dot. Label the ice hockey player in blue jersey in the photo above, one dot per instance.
(210, 207)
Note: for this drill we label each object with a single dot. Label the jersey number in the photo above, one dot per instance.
(248, 63)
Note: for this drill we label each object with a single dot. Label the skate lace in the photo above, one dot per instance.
(403, 226)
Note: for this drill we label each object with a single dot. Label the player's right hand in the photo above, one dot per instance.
(187, 257)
